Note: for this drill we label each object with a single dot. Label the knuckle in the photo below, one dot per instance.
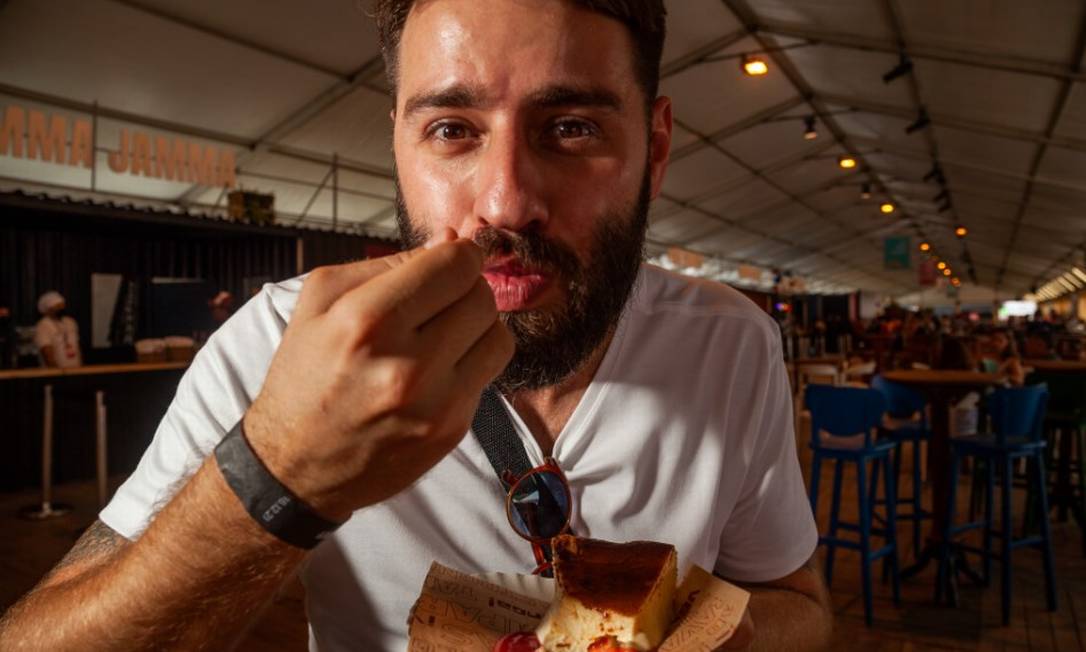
(401, 380)
(354, 326)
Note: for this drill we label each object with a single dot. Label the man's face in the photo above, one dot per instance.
(520, 124)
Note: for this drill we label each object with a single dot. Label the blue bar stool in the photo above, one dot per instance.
(842, 421)
(908, 422)
(1017, 417)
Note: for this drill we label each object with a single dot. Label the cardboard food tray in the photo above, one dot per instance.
(457, 612)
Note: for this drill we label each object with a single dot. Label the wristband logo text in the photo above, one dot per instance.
(278, 506)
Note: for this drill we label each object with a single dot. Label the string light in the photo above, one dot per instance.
(924, 246)
(753, 66)
(955, 281)
(887, 208)
(947, 272)
(846, 162)
(941, 265)
(961, 231)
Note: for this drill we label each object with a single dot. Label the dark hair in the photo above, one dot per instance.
(646, 20)
(955, 354)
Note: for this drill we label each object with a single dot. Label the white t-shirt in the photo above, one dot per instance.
(684, 435)
(63, 335)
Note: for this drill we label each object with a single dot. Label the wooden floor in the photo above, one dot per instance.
(28, 550)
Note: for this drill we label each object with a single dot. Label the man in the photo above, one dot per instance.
(528, 140)
(57, 335)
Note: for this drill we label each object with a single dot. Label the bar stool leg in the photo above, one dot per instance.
(47, 508)
(835, 511)
(989, 523)
(891, 529)
(1005, 571)
(1046, 536)
(100, 447)
(865, 537)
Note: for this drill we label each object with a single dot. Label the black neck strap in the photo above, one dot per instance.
(494, 430)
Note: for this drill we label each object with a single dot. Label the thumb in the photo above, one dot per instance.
(324, 285)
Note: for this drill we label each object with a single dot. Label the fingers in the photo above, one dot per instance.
(486, 358)
(324, 285)
(456, 328)
(416, 290)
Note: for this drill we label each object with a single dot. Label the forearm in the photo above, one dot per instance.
(789, 621)
(196, 579)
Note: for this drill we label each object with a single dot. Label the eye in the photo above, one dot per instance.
(570, 129)
(451, 131)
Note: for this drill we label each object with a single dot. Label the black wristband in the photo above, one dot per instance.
(272, 505)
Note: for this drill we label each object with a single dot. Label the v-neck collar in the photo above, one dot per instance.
(573, 431)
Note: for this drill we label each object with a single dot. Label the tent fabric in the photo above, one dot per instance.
(293, 86)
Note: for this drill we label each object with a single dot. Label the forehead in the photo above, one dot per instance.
(512, 47)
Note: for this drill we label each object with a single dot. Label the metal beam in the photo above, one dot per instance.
(747, 123)
(987, 60)
(189, 130)
(1053, 121)
(742, 11)
(762, 234)
(902, 152)
(893, 16)
(699, 55)
(304, 114)
(959, 124)
(232, 38)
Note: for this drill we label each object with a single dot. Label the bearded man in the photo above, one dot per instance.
(529, 141)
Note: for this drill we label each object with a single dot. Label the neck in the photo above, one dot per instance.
(546, 410)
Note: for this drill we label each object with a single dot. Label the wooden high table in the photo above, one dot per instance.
(48, 376)
(942, 388)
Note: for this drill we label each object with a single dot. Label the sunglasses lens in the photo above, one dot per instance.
(540, 506)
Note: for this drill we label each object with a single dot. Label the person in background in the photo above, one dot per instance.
(1002, 358)
(955, 355)
(57, 335)
(222, 306)
(7, 339)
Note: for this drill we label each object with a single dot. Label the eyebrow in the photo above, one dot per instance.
(461, 96)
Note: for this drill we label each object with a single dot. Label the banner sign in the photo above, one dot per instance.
(925, 272)
(36, 135)
(896, 252)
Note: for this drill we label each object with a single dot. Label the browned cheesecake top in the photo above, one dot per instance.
(618, 577)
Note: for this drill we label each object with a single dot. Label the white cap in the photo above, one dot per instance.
(49, 300)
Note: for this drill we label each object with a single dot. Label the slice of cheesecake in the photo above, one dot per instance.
(616, 594)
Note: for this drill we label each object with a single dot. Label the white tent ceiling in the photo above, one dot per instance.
(292, 84)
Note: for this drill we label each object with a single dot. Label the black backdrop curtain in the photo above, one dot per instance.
(49, 244)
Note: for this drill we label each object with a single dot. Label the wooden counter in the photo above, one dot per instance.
(90, 370)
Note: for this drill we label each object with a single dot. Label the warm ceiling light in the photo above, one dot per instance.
(961, 231)
(846, 162)
(940, 265)
(865, 191)
(947, 272)
(887, 208)
(753, 66)
(925, 246)
(955, 281)
(809, 132)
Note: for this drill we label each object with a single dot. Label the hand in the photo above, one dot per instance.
(743, 635)
(378, 375)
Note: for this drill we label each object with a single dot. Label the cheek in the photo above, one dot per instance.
(436, 194)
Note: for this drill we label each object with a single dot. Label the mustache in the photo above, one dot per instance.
(530, 248)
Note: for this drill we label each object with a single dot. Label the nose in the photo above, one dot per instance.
(509, 184)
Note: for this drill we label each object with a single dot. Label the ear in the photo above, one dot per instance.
(659, 142)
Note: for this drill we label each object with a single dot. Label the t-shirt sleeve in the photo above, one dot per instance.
(44, 334)
(212, 396)
(771, 532)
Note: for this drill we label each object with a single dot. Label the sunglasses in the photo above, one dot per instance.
(538, 506)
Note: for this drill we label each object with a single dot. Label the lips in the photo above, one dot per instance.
(515, 287)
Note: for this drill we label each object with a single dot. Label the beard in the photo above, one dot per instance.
(553, 342)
